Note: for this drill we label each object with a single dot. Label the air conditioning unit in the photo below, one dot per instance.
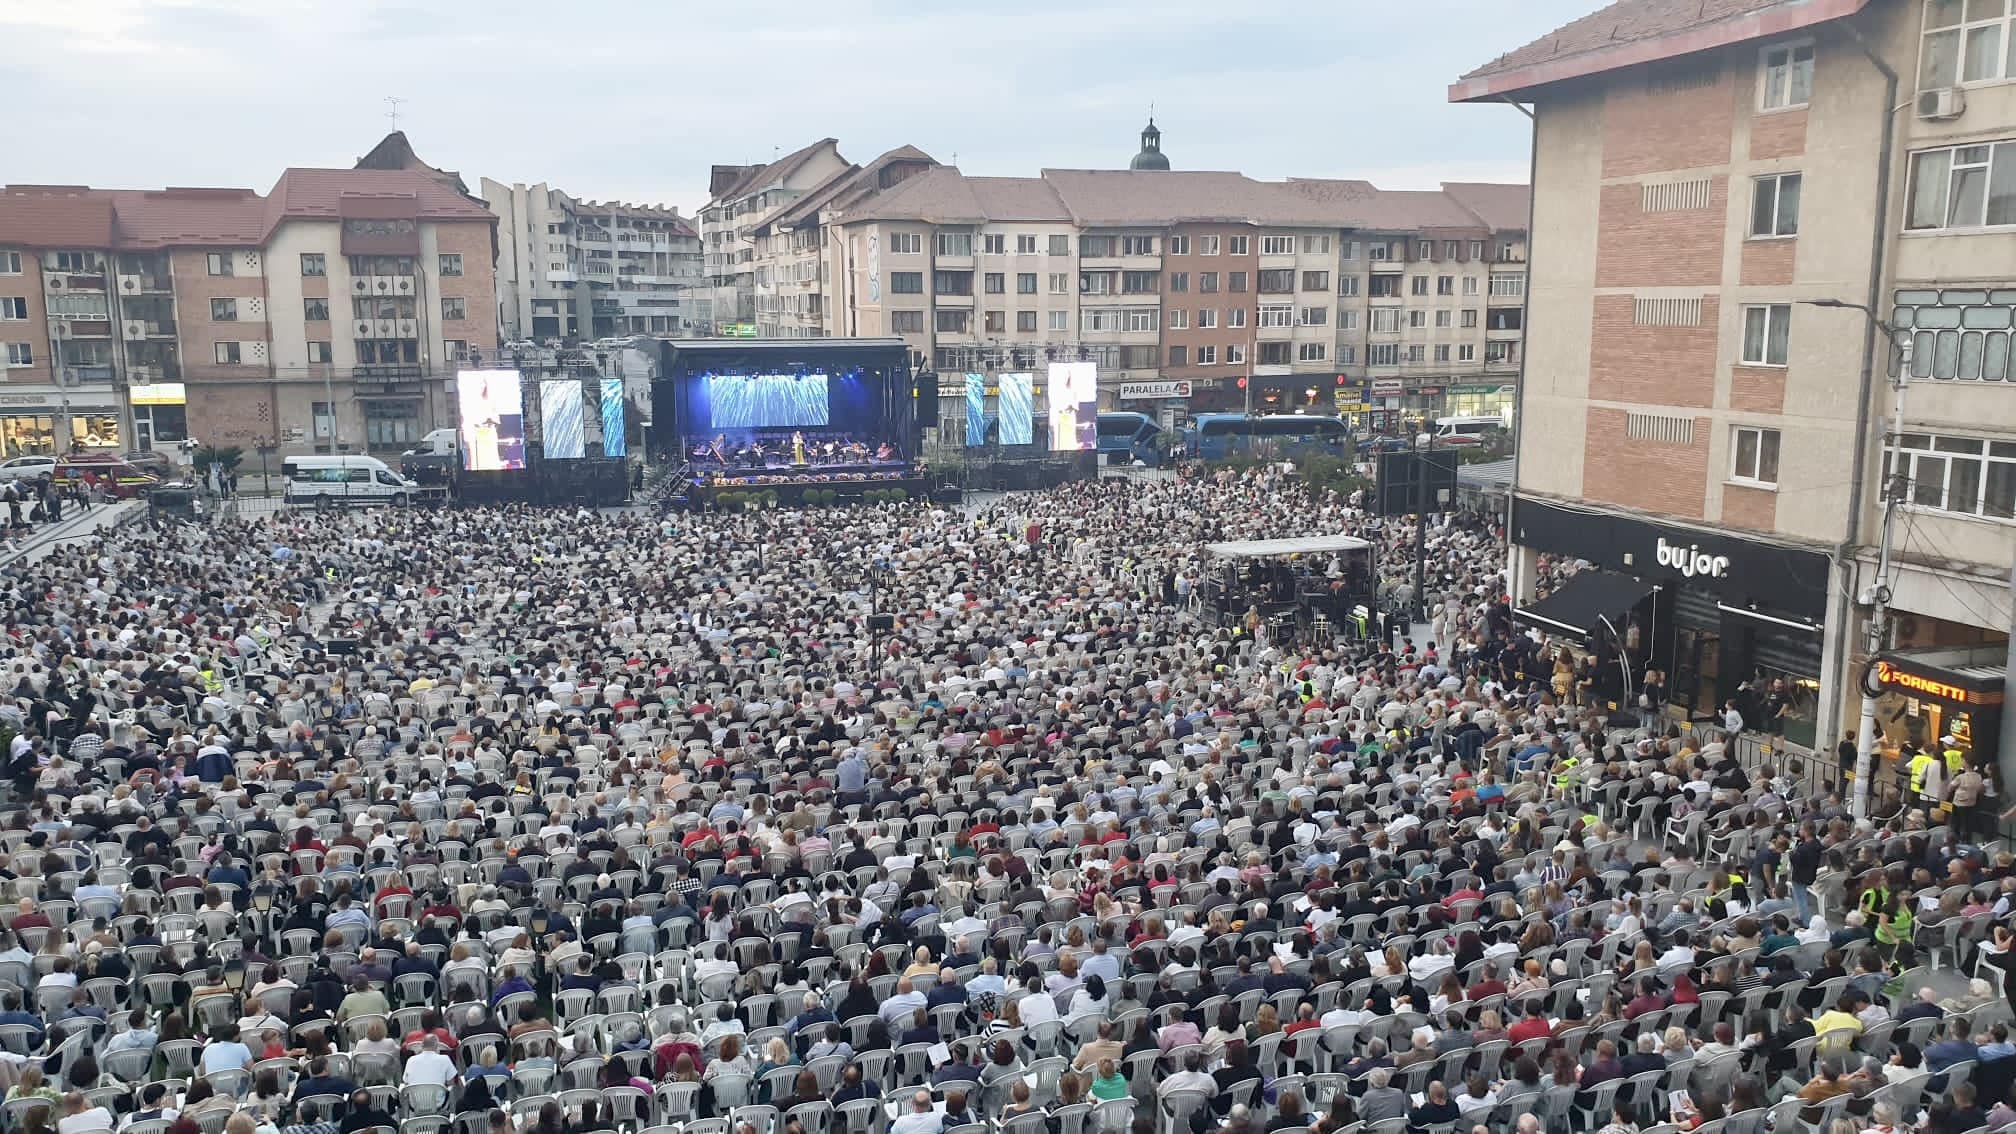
(129, 283)
(1942, 105)
(60, 329)
(385, 328)
(405, 284)
(360, 286)
(408, 328)
(68, 377)
(58, 283)
(364, 327)
(383, 285)
(136, 329)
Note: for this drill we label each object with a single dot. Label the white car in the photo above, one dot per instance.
(27, 468)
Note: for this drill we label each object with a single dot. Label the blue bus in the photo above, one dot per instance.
(1126, 437)
(1216, 436)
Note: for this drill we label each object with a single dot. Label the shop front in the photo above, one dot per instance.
(1490, 399)
(1924, 696)
(160, 413)
(55, 422)
(1725, 617)
(1166, 402)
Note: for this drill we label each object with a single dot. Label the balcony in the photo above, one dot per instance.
(143, 374)
(81, 281)
(386, 372)
(145, 285)
(81, 375)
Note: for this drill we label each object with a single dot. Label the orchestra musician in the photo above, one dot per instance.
(797, 448)
(886, 452)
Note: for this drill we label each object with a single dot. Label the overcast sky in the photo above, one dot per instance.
(633, 100)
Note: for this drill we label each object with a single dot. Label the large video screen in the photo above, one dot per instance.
(1017, 407)
(614, 444)
(766, 401)
(493, 420)
(976, 410)
(1074, 405)
(560, 413)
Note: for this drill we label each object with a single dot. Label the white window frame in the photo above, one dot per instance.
(906, 243)
(1441, 352)
(1923, 448)
(449, 263)
(1770, 188)
(1347, 285)
(1207, 318)
(1980, 165)
(10, 262)
(1235, 317)
(1235, 354)
(1961, 31)
(220, 350)
(1469, 285)
(1060, 283)
(1469, 318)
(1417, 319)
(1752, 472)
(1476, 250)
(1207, 355)
(1347, 320)
(1277, 315)
(1766, 318)
(218, 263)
(1347, 250)
(1777, 67)
(1178, 246)
(1060, 320)
(1143, 319)
(994, 244)
(1508, 286)
(1386, 320)
(1179, 319)
(1382, 354)
(1417, 352)
(1240, 246)
(1207, 246)
(1466, 352)
(1442, 319)
(1312, 352)
(1025, 244)
(20, 354)
(1313, 317)
(1277, 246)
(10, 304)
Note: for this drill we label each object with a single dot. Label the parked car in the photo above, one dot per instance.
(149, 460)
(27, 468)
(120, 479)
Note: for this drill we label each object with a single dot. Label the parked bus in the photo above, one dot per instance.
(1216, 436)
(1126, 437)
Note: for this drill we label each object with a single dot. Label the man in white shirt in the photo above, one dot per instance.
(922, 1117)
(898, 1007)
(80, 1117)
(429, 1066)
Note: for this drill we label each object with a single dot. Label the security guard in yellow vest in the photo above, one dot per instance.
(1564, 774)
(1921, 763)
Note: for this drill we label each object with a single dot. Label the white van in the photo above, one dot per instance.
(1475, 428)
(344, 479)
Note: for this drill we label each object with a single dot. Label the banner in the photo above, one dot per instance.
(976, 410)
(614, 444)
(1134, 391)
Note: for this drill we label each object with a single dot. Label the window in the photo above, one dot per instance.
(955, 244)
(1347, 249)
(1476, 250)
(1505, 319)
(1441, 352)
(1958, 333)
(1774, 205)
(1347, 285)
(994, 243)
(1207, 318)
(1207, 246)
(1207, 281)
(20, 354)
(1272, 315)
(1235, 281)
(1417, 319)
(1451, 248)
(906, 283)
(1276, 354)
(1315, 317)
(314, 264)
(219, 263)
(1099, 319)
(1385, 320)
(1140, 283)
(1385, 287)
(1442, 320)
(319, 352)
(1060, 283)
(1417, 353)
(451, 263)
(1179, 281)
(955, 320)
(1963, 187)
(1096, 246)
(1235, 316)
(1144, 319)
(1277, 281)
(1417, 285)
(1315, 281)
(1467, 352)
(1754, 459)
(1235, 354)
(1445, 285)
(1137, 246)
(1382, 354)
(1508, 251)
(1025, 321)
(1311, 352)
(457, 350)
(995, 322)
(315, 310)
(1179, 356)
(13, 307)
(223, 310)
(1508, 287)
(906, 322)
(906, 242)
(996, 283)
(1060, 320)
(1179, 319)
(1788, 77)
(1025, 283)
(1179, 246)
(1498, 352)
(1347, 320)
(227, 354)
(1316, 244)
(1277, 246)
(1469, 285)
(1424, 250)
(1377, 250)
(1238, 246)
(1060, 246)
(454, 307)
(1096, 283)
(1470, 319)
(1767, 334)
(952, 283)
(1207, 356)
(1346, 355)
(1963, 475)
(1964, 43)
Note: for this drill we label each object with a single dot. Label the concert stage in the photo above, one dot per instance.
(791, 490)
(737, 393)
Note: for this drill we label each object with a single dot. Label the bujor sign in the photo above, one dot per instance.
(1135, 391)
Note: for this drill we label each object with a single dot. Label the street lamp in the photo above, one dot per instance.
(1878, 596)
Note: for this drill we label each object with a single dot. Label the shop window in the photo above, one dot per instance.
(391, 422)
(24, 435)
(95, 431)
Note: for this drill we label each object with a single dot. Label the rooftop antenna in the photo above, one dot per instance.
(393, 101)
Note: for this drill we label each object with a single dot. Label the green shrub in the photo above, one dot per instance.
(898, 495)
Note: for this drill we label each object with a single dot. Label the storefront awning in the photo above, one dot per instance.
(1966, 676)
(1582, 603)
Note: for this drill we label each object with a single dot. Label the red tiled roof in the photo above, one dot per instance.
(164, 218)
(1634, 32)
(772, 171)
(55, 216)
(1500, 207)
(318, 193)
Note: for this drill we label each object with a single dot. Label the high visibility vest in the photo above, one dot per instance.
(1956, 761)
(210, 682)
(1919, 764)
(1566, 773)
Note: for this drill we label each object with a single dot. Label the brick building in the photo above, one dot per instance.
(1690, 421)
(333, 310)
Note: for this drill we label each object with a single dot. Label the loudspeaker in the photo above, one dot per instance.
(881, 622)
(925, 386)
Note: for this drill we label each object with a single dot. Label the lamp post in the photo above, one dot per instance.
(1878, 596)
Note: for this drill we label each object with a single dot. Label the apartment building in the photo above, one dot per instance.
(790, 244)
(331, 311)
(742, 197)
(1191, 290)
(574, 269)
(1702, 418)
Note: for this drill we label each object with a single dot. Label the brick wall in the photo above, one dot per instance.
(1671, 248)
(1753, 508)
(1757, 389)
(1778, 134)
(1672, 366)
(33, 330)
(476, 285)
(1672, 479)
(1768, 263)
(1646, 130)
(1223, 301)
(231, 413)
(199, 335)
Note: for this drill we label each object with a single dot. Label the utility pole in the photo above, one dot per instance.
(1875, 631)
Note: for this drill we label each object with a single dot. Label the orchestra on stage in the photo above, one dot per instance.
(790, 449)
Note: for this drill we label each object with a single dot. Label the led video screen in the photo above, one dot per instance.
(976, 410)
(766, 401)
(613, 442)
(1017, 409)
(560, 410)
(1074, 406)
(493, 420)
